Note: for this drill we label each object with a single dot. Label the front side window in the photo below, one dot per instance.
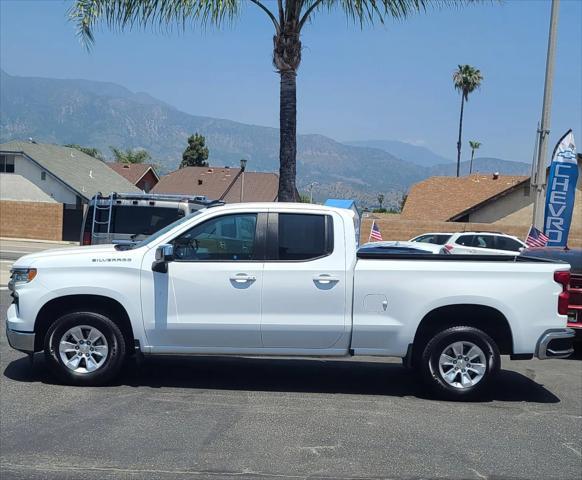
(505, 243)
(6, 163)
(226, 238)
(304, 237)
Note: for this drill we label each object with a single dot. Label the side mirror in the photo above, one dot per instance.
(164, 254)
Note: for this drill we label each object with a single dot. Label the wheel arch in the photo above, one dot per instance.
(57, 307)
(486, 318)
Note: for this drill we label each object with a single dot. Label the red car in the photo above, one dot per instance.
(573, 256)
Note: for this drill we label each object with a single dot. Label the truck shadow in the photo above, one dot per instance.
(353, 377)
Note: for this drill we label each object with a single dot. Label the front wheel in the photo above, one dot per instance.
(459, 363)
(84, 348)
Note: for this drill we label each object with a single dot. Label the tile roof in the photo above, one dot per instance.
(133, 172)
(220, 184)
(15, 187)
(83, 173)
(446, 198)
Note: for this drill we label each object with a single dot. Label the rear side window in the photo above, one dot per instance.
(304, 237)
(484, 241)
(132, 220)
(465, 240)
(434, 239)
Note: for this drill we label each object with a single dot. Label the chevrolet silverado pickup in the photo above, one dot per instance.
(285, 279)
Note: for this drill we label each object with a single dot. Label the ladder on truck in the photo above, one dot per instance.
(100, 213)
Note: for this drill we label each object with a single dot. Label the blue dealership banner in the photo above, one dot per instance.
(561, 189)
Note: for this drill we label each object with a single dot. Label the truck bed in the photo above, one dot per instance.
(453, 258)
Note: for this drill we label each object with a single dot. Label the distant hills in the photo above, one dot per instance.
(411, 153)
(100, 114)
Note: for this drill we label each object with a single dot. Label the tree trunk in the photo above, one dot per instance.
(471, 164)
(288, 137)
(460, 134)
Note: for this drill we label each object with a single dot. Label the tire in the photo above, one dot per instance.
(69, 338)
(454, 378)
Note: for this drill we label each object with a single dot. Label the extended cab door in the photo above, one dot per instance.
(210, 297)
(304, 282)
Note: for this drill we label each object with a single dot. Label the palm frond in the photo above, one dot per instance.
(127, 14)
(370, 11)
(467, 79)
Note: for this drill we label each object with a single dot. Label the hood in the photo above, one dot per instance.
(28, 260)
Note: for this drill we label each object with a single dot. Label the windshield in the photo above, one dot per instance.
(164, 230)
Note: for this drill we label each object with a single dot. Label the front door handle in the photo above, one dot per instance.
(242, 278)
(325, 279)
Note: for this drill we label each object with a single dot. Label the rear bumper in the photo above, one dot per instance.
(23, 341)
(556, 343)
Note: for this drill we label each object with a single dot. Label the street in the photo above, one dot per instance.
(11, 250)
(219, 417)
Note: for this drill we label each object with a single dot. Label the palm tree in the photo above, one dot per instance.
(474, 146)
(288, 18)
(466, 80)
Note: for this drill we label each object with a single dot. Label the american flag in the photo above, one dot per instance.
(375, 233)
(535, 238)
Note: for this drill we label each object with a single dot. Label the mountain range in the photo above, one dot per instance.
(101, 114)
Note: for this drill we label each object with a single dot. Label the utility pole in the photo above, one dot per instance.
(539, 178)
(243, 167)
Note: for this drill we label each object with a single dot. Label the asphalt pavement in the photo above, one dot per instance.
(244, 418)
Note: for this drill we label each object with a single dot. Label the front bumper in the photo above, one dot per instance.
(556, 343)
(23, 341)
(18, 331)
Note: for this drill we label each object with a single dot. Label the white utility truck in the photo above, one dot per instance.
(285, 279)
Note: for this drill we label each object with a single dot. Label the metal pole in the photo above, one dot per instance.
(544, 130)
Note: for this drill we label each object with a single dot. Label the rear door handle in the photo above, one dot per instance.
(324, 278)
(242, 278)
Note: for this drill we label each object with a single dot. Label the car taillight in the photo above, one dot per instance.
(87, 238)
(563, 278)
(448, 247)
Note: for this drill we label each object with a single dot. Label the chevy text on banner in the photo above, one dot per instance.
(561, 191)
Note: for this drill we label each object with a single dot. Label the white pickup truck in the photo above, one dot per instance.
(285, 279)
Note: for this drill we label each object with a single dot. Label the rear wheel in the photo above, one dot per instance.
(84, 348)
(459, 363)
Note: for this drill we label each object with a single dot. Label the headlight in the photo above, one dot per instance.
(22, 275)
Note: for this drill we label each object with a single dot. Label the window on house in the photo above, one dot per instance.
(526, 190)
(43, 175)
(6, 163)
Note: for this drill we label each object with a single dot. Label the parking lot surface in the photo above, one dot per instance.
(243, 418)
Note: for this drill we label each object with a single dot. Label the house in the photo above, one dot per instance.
(142, 175)
(479, 198)
(232, 185)
(65, 175)
(450, 199)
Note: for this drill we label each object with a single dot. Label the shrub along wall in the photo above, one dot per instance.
(393, 227)
(38, 220)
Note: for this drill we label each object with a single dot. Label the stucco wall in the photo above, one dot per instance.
(503, 206)
(51, 186)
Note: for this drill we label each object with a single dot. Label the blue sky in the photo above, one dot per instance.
(382, 82)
